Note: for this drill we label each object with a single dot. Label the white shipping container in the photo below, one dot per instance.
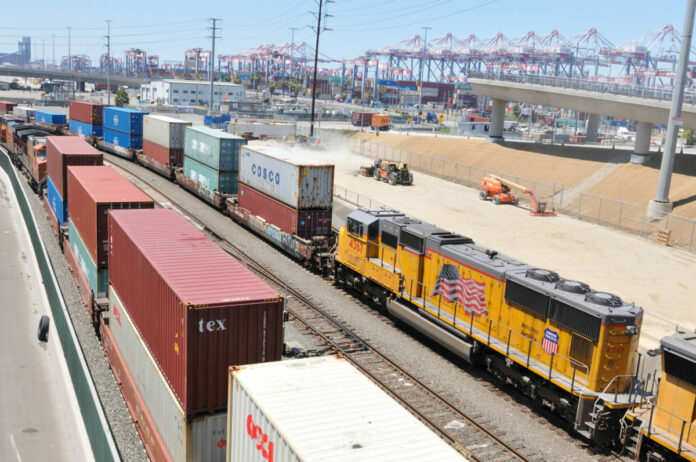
(202, 439)
(165, 131)
(287, 176)
(321, 409)
(24, 111)
(274, 130)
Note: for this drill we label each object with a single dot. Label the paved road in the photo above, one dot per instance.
(38, 414)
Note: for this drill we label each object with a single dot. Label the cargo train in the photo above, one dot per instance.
(572, 349)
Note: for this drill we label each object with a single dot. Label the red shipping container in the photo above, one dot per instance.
(62, 151)
(84, 111)
(7, 106)
(93, 192)
(197, 308)
(165, 156)
(304, 223)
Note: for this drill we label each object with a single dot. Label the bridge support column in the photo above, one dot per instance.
(495, 133)
(593, 127)
(641, 151)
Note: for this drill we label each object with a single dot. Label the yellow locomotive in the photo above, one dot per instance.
(664, 428)
(572, 349)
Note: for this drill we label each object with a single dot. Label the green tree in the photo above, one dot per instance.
(255, 79)
(197, 76)
(516, 110)
(317, 92)
(380, 92)
(121, 98)
(272, 87)
(344, 95)
(294, 87)
(227, 78)
(690, 137)
(368, 95)
(237, 80)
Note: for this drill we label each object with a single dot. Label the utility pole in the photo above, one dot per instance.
(214, 28)
(292, 54)
(43, 52)
(108, 61)
(420, 72)
(69, 55)
(316, 62)
(53, 36)
(661, 205)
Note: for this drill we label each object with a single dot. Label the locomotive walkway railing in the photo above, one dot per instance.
(98, 432)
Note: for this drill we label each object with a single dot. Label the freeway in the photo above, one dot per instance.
(71, 76)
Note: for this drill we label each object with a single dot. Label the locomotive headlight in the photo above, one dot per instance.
(632, 330)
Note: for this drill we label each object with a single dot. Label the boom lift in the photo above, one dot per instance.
(499, 191)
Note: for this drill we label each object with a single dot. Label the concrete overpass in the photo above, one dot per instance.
(645, 111)
(78, 77)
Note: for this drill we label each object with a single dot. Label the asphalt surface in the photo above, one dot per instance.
(39, 419)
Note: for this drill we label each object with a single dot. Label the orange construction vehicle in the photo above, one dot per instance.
(389, 171)
(499, 191)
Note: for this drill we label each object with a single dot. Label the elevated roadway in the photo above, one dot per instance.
(78, 77)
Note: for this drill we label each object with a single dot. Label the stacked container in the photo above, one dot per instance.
(287, 190)
(61, 152)
(24, 111)
(7, 106)
(211, 158)
(163, 139)
(93, 192)
(50, 117)
(181, 310)
(86, 118)
(123, 127)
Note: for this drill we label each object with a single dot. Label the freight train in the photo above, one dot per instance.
(572, 349)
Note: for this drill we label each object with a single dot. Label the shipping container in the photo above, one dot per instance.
(121, 139)
(123, 120)
(210, 179)
(214, 148)
(198, 439)
(98, 280)
(62, 151)
(165, 131)
(287, 176)
(197, 308)
(60, 209)
(93, 192)
(85, 129)
(50, 117)
(24, 111)
(86, 112)
(165, 156)
(361, 119)
(7, 106)
(303, 223)
(322, 409)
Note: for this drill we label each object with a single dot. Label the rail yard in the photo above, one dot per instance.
(444, 249)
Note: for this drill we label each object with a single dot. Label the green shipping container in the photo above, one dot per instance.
(210, 179)
(98, 281)
(214, 148)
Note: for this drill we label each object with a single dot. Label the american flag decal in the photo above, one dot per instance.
(455, 288)
(550, 342)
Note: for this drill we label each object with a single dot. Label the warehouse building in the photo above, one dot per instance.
(189, 92)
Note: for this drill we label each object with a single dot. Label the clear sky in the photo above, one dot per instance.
(169, 28)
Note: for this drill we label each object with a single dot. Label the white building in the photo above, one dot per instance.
(189, 92)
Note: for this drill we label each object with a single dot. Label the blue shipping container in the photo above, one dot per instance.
(55, 200)
(123, 140)
(50, 117)
(123, 120)
(82, 128)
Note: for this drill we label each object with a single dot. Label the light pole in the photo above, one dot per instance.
(69, 54)
(108, 62)
(214, 29)
(420, 72)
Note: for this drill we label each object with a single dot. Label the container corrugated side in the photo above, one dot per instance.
(322, 409)
(98, 280)
(275, 173)
(201, 439)
(165, 131)
(84, 129)
(124, 140)
(60, 209)
(214, 148)
(123, 120)
(87, 112)
(165, 156)
(24, 111)
(50, 117)
(211, 179)
(197, 308)
(62, 151)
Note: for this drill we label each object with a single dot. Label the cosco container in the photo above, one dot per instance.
(287, 176)
(165, 131)
(196, 307)
(7, 106)
(50, 117)
(214, 148)
(93, 192)
(322, 409)
(198, 439)
(165, 156)
(24, 111)
(98, 280)
(123, 120)
(60, 208)
(210, 179)
(85, 129)
(86, 112)
(121, 139)
(303, 223)
(62, 151)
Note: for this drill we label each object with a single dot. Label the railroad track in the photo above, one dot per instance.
(462, 431)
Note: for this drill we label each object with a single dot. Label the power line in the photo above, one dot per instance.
(430, 5)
